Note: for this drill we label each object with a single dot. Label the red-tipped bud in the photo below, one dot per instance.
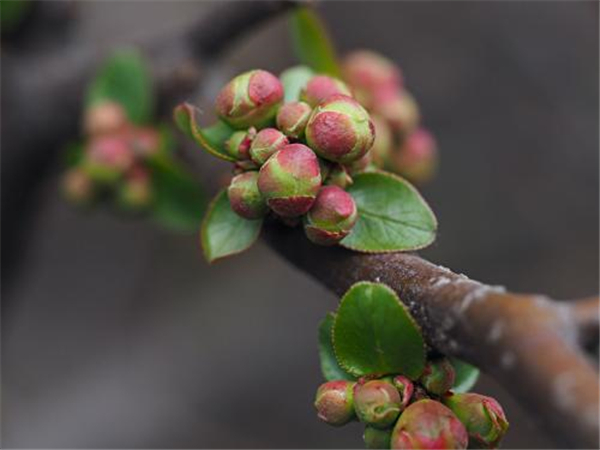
(340, 130)
(438, 376)
(339, 176)
(266, 143)
(405, 388)
(144, 142)
(399, 110)
(239, 143)
(107, 158)
(483, 417)
(290, 180)
(383, 144)
(77, 187)
(417, 158)
(104, 118)
(244, 196)
(377, 439)
(320, 87)
(334, 402)
(250, 99)
(377, 403)
(331, 217)
(292, 118)
(136, 191)
(428, 424)
(368, 73)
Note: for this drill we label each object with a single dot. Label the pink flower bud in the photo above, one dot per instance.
(334, 402)
(107, 158)
(266, 143)
(239, 143)
(399, 110)
(320, 87)
(483, 417)
(339, 176)
(144, 141)
(377, 403)
(290, 180)
(250, 99)
(103, 118)
(340, 130)
(428, 424)
(331, 217)
(417, 158)
(363, 164)
(292, 118)
(244, 196)
(405, 388)
(438, 376)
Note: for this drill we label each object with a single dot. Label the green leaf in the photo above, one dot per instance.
(223, 232)
(374, 333)
(312, 43)
(392, 215)
(293, 80)
(125, 79)
(329, 366)
(212, 138)
(179, 200)
(466, 375)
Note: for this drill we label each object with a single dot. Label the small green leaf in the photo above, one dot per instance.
(125, 79)
(329, 366)
(293, 80)
(312, 43)
(374, 333)
(392, 215)
(466, 375)
(179, 200)
(212, 138)
(224, 233)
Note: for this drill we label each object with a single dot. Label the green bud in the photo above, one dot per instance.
(290, 180)
(292, 118)
(238, 144)
(377, 403)
(383, 144)
(428, 424)
(339, 176)
(483, 417)
(334, 402)
(135, 193)
(340, 130)
(377, 439)
(266, 143)
(244, 196)
(250, 99)
(331, 217)
(438, 376)
(320, 87)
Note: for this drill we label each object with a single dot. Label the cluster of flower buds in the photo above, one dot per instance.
(113, 160)
(399, 413)
(401, 145)
(295, 159)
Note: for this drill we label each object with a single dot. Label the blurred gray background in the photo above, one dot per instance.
(120, 335)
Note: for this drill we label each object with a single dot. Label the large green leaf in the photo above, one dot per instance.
(293, 80)
(224, 233)
(392, 215)
(312, 43)
(466, 375)
(329, 366)
(374, 333)
(212, 138)
(125, 79)
(179, 200)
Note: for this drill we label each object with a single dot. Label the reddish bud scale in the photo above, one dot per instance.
(334, 402)
(290, 180)
(245, 198)
(405, 388)
(250, 99)
(377, 403)
(428, 424)
(266, 143)
(292, 118)
(319, 88)
(331, 217)
(438, 376)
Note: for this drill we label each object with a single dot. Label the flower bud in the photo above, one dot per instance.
(383, 144)
(340, 130)
(482, 416)
(417, 158)
(334, 402)
(320, 87)
(144, 142)
(239, 143)
(377, 403)
(377, 439)
(250, 99)
(290, 180)
(267, 142)
(136, 191)
(405, 389)
(292, 118)
(331, 217)
(103, 118)
(369, 72)
(438, 376)
(244, 196)
(363, 164)
(78, 187)
(339, 176)
(107, 158)
(428, 424)
(399, 110)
